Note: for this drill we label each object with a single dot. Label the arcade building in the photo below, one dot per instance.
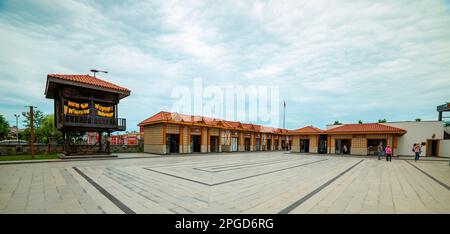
(169, 133)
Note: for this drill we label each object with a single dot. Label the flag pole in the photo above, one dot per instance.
(284, 115)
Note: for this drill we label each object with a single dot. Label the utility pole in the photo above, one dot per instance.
(32, 131)
(17, 127)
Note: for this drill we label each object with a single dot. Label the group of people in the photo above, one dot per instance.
(417, 149)
(385, 151)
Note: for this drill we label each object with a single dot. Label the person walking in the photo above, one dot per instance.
(380, 150)
(388, 151)
(417, 149)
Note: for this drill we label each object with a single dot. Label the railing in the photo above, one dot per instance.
(90, 121)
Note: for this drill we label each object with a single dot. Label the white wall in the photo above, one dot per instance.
(444, 148)
(417, 132)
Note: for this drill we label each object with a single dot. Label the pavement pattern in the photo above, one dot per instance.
(256, 182)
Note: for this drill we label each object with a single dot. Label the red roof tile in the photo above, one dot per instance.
(364, 128)
(306, 130)
(90, 80)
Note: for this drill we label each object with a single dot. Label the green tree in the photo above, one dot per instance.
(418, 119)
(337, 123)
(382, 121)
(4, 128)
(37, 118)
(47, 129)
(360, 121)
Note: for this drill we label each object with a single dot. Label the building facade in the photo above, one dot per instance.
(166, 133)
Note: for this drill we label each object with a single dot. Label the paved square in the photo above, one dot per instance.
(262, 182)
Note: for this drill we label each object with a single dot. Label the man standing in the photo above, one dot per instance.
(380, 150)
(417, 150)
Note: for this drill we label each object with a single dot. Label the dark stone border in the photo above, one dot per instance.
(233, 180)
(242, 165)
(105, 193)
(430, 176)
(311, 194)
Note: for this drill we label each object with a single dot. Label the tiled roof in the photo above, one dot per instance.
(90, 80)
(306, 130)
(176, 117)
(364, 128)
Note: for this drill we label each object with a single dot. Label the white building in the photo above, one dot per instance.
(429, 133)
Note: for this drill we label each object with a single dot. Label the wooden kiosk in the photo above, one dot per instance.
(84, 103)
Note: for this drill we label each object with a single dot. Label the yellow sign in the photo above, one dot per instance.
(104, 114)
(78, 105)
(71, 111)
(104, 108)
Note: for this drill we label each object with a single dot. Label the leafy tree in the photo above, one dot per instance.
(4, 128)
(418, 119)
(360, 121)
(37, 118)
(382, 121)
(337, 123)
(47, 129)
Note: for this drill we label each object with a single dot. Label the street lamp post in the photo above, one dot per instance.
(17, 127)
(95, 71)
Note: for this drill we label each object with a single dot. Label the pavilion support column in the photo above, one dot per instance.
(329, 144)
(164, 130)
(100, 141)
(108, 143)
(220, 140)
(272, 142)
(188, 139)
(208, 140)
(181, 140)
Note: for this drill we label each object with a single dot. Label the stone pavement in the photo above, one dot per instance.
(263, 182)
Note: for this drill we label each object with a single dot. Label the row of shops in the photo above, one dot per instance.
(168, 133)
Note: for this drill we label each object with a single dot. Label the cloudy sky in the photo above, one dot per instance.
(332, 60)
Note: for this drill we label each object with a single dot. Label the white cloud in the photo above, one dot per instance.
(363, 57)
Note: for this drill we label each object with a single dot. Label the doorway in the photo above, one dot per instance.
(258, 144)
(234, 144)
(276, 144)
(214, 144)
(247, 144)
(342, 146)
(304, 145)
(269, 146)
(432, 148)
(322, 144)
(372, 146)
(173, 143)
(195, 143)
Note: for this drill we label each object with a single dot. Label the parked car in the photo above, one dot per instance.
(13, 142)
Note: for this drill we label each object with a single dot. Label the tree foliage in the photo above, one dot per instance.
(4, 128)
(360, 121)
(38, 117)
(337, 123)
(382, 121)
(44, 129)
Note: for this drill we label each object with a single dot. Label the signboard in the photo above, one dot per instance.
(76, 108)
(445, 107)
(104, 111)
(196, 131)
